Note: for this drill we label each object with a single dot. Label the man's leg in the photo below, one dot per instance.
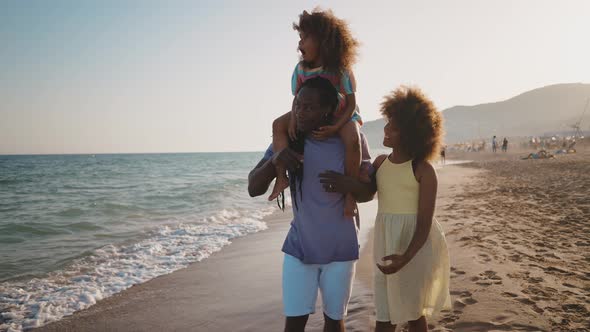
(336, 286)
(384, 327)
(296, 324)
(300, 291)
(331, 325)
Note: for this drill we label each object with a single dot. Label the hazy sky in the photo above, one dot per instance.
(176, 76)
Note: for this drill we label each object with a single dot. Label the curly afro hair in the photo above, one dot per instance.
(338, 49)
(419, 122)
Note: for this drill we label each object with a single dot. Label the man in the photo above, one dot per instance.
(321, 248)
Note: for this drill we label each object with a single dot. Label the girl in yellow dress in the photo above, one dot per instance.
(412, 275)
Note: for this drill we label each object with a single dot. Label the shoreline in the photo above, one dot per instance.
(242, 281)
(188, 298)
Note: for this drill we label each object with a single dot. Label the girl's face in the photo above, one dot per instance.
(391, 134)
(309, 48)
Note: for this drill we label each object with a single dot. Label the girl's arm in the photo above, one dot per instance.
(426, 176)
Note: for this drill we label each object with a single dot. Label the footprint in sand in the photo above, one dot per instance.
(515, 258)
(569, 285)
(555, 270)
(518, 275)
(531, 303)
(575, 308)
(455, 272)
(492, 242)
(487, 278)
(485, 257)
(464, 299)
(463, 302)
(504, 318)
(448, 319)
(535, 280)
(509, 294)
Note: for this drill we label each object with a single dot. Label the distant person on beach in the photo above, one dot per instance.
(505, 145)
(494, 144)
(321, 248)
(443, 154)
(542, 154)
(328, 50)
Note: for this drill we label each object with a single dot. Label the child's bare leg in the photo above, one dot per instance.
(280, 140)
(350, 135)
(384, 327)
(418, 325)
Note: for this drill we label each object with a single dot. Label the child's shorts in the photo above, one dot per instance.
(357, 118)
(302, 281)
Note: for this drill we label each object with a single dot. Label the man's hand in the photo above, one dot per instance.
(397, 263)
(335, 182)
(324, 132)
(288, 159)
(365, 172)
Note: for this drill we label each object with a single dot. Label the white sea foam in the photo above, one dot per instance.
(112, 269)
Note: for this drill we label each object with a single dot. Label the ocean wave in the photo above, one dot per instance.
(71, 212)
(10, 181)
(29, 228)
(10, 239)
(114, 268)
(82, 226)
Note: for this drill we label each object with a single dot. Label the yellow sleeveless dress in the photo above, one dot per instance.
(421, 288)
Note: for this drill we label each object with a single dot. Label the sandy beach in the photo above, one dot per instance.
(518, 234)
(519, 237)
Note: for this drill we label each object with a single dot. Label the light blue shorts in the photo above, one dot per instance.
(302, 281)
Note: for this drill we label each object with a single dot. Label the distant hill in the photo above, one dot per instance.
(547, 109)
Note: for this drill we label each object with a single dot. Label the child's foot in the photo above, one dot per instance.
(349, 206)
(281, 183)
